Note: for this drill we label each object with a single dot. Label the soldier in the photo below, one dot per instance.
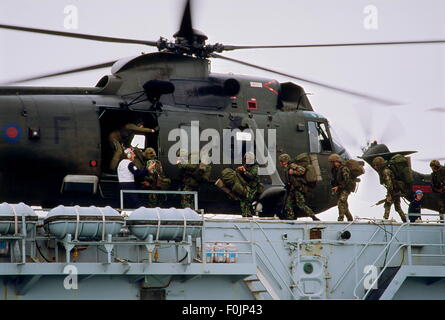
(155, 177)
(191, 176)
(438, 185)
(249, 172)
(121, 138)
(296, 186)
(394, 193)
(342, 185)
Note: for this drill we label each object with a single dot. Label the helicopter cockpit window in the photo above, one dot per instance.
(338, 145)
(318, 137)
(138, 141)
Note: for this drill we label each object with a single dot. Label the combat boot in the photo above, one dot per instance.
(402, 215)
(386, 214)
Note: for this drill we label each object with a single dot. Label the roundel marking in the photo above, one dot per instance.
(11, 132)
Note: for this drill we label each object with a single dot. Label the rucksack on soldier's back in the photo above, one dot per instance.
(401, 168)
(305, 161)
(233, 181)
(355, 167)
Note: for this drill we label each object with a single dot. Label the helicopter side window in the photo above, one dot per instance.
(318, 137)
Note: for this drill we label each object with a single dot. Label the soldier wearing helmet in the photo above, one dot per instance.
(388, 180)
(249, 172)
(284, 159)
(154, 179)
(342, 185)
(191, 175)
(297, 188)
(438, 185)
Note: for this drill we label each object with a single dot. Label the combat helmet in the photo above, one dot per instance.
(377, 162)
(334, 157)
(150, 153)
(284, 157)
(434, 163)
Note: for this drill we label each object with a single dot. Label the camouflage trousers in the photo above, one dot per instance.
(187, 200)
(343, 207)
(246, 207)
(118, 151)
(396, 201)
(297, 197)
(153, 200)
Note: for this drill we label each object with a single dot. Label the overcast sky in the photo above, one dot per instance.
(411, 74)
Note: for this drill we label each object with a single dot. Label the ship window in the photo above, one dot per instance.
(318, 137)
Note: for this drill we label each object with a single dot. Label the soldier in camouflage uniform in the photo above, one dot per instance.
(153, 180)
(121, 138)
(191, 176)
(342, 185)
(296, 188)
(249, 172)
(392, 186)
(438, 185)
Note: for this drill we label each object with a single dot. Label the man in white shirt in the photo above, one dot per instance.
(126, 173)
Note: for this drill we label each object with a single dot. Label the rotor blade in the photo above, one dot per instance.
(65, 72)
(442, 110)
(324, 85)
(351, 44)
(186, 28)
(79, 35)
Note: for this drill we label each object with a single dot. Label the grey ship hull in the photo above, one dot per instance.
(275, 260)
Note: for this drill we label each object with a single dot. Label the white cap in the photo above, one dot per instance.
(128, 152)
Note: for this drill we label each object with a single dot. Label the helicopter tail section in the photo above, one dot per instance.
(380, 150)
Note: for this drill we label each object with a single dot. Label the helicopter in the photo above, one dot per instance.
(49, 133)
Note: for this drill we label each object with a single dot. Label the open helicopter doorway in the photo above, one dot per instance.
(114, 127)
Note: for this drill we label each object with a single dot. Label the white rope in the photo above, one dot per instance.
(77, 223)
(185, 226)
(103, 223)
(16, 221)
(159, 224)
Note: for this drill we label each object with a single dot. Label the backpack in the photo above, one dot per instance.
(233, 181)
(399, 165)
(355, 167)
(310, 175)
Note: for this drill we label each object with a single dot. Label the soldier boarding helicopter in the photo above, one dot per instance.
(49, 133)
